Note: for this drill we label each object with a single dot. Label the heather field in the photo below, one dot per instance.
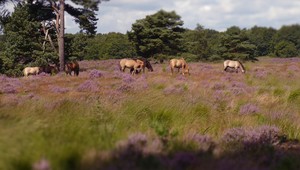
(106, 119)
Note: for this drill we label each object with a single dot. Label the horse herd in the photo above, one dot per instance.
(70, 67)
(135, 66)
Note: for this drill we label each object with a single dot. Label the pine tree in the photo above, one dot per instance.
(235, 44)
(160, 33)
(22, 41)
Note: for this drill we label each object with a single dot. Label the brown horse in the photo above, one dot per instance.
(179, 64)
(72, 66)
(234, 64)
(49, 69)
(131, 64)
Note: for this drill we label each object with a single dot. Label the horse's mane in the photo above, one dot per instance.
(241, 64)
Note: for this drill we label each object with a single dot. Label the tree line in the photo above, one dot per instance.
(158, 36)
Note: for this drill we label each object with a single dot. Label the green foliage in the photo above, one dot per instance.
(262, 37)
(235, 44)
(159, 33)
(200, 42)
(294, 96)
(290, 34)
(285, 49)
(112, 45)
(75, 45)
(22, 45)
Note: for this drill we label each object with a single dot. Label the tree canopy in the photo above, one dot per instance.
(160, 33)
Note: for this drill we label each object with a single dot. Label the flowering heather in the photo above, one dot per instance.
(206, 67)
(9, 85)
(181, 77)
(249, 109)
(260, 73)
(218, 86)
(88, 86)
(203, 142)
(277, 115)
(95, 74)
(135, 142)
(56, 89)
(125, 88)
(252, 138)
(127, 78)
(173, 90)
(141, 83)
(293, 68)
(238, 88)
(219, 95)
(227, 78)
(285, 60)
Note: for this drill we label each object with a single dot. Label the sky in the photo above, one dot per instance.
(119, 15)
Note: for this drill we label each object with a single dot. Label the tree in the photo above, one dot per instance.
(235, 44)
(200, 42)
(289, 34)
(160, 33)
(85, 16)
(111, 45)
(262, 37)
(285, 49)
(22, 41)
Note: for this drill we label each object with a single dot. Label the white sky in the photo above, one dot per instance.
(119, 15)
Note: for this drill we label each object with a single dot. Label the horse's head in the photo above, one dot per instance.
(186, 69)
(148, 65)
(242, 67)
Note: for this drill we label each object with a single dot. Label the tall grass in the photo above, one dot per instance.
(69, 120)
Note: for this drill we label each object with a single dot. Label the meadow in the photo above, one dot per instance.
(107, 119)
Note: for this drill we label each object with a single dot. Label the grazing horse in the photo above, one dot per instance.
(146, 64)
(234, 64)
(72, 66)
(49, 69)
(131, 64)
(31, 71)
(180, 64)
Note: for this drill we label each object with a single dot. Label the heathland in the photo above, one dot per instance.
(107, 119)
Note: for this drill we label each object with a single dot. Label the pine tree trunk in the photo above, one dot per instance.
(61, 42)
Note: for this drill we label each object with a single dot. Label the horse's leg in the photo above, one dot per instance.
(225, 68)
(172, 70)
(133, 72)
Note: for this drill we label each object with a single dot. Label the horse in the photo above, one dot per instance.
(131, 64)
(49, 69)
(180, 64)
(146, 64)
(72, 66)
(31, 71)
(234, 64)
